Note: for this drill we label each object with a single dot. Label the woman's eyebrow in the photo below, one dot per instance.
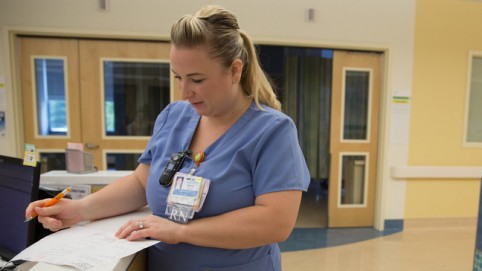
(190, 74)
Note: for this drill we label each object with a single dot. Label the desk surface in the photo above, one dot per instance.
(62, 177)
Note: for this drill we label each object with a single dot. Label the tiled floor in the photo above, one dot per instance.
(442, 249)
(418, 247)
(311, 231)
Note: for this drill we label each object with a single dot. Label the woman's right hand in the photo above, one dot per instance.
(64, 214)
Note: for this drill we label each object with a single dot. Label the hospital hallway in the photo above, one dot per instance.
(425, 245)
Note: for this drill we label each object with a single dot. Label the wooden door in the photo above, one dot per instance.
(51, 118)
(121, 85)
(354, 139)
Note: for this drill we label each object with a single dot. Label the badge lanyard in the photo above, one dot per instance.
(198, 159)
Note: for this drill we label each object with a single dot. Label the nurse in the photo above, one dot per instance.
(229, 133)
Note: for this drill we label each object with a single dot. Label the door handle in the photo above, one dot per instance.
(91, 146)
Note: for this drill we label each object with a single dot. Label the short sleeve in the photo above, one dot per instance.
(278, 162)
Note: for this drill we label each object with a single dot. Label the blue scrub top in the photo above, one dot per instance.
(259, 154)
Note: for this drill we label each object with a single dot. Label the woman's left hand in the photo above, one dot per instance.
(153, 227)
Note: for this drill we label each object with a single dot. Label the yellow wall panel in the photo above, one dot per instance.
(442, 199)
(445, 32)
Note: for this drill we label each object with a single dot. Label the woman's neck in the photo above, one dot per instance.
(230, 117)
(209, 129)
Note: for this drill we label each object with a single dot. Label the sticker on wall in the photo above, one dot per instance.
(30, 155)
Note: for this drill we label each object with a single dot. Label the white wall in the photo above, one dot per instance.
(367, 24)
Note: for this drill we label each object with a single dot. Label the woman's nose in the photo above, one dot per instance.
(186, 93)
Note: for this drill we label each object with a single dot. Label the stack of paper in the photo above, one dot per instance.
(86, 247)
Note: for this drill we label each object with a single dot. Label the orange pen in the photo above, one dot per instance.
(52, 202)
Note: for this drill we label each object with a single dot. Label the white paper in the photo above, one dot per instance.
(85, 247)
(81, 247)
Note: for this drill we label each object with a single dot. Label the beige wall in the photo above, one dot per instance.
(352, 24)
(445, 32)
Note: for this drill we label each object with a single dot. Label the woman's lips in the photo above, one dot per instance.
(196, 104)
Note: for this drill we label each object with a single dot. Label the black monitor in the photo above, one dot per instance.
(19, 185)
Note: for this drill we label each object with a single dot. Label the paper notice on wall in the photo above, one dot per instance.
(400, 118)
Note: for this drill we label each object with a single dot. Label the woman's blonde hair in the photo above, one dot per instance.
(218, 29)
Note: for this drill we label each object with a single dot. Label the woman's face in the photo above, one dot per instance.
(212, 89)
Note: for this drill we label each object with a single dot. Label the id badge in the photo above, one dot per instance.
(186, 196)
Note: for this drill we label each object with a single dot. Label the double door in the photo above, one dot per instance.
(105, 95)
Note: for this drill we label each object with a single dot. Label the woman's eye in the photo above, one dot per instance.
(197, 81)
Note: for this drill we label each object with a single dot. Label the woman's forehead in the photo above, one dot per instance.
(192, 59)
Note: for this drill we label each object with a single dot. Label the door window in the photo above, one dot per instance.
(356, 104)
(353, 180)
(122, 161)
(51, 96)
(134, 94)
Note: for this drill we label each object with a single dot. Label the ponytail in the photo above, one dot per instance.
(255, 83)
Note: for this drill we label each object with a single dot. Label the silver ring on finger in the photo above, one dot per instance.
(140, 224)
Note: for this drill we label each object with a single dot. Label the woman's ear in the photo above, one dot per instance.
(237, 70)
